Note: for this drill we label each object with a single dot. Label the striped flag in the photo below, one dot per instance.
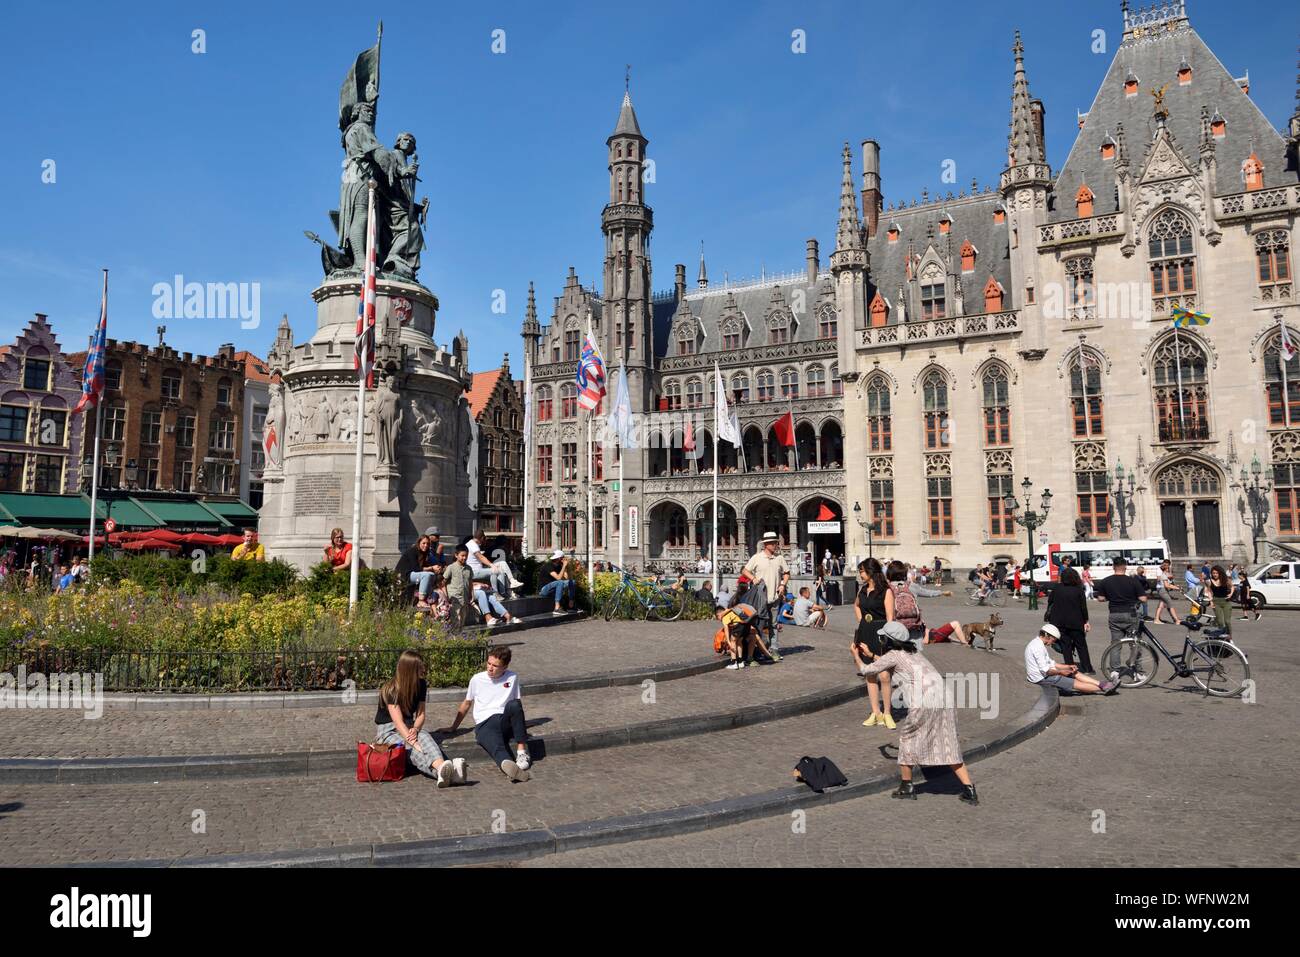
(1183, 318)
(591, 375)
(1285, 346)
(92, 377)
(364, 357)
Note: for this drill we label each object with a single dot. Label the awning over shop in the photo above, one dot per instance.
(188, 516)
(137, 512)
(236, 513)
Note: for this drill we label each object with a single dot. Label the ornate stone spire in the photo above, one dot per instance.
(627, 124)
(531, 326)
(848, 236)
(1024, 145)
(703, 279)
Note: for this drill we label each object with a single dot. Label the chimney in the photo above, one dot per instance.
(813, 263)
(680, 281)
(1038, 112)
(871, 196)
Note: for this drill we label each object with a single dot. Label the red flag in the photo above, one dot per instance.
(824, 514)
(784, 428)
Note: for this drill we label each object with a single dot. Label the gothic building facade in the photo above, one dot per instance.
(963, 344)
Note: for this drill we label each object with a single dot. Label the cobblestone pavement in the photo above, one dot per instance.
(815, 660)
(50, 824)
(1182, 780)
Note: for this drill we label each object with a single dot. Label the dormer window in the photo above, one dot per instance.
(992, 296)
(945, 224)
(1108, 148)
(1083, 201)
(932, 301)
(968, 253)
(1252, 172)
(999, 215)
(1184, 73)
(879, 310)
(893, 232)
(1218, 126)
(1131, 84)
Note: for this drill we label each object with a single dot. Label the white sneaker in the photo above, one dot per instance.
(523, 760)
(444, 772)
(459, 771)
(516, 584)
(733, 666)
(513, 771)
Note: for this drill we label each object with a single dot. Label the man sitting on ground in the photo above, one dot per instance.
(807, 614)
(742, 635)
(705, 593)
(1040, 669)
(498, 714)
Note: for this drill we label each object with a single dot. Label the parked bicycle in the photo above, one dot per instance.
(658, 602)
(1217, 666)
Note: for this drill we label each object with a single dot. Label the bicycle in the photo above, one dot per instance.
(1217, 666)
(658, 603)
(995, 596)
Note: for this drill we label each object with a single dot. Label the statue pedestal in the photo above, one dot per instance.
(427, 480)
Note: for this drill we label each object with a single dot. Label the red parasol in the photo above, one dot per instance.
(150, 544)
(203, 538)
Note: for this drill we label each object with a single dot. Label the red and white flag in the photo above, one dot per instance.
(364, 358)
(1285, 346)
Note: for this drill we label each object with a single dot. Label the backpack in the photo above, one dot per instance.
(906, 611)
(819, 773)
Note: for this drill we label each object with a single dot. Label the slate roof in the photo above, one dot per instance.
(1155, 60)
(972, 218)
(753, 302)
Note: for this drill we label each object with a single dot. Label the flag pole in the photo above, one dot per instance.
(1178, 368)
(365, 330)
(528, 422)
(99, 428)
(713, 518)
(1281, 363)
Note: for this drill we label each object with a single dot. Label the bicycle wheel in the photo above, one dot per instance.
(665, 605)
(973, 596)
(611, 603)
(1130, 663)
(1218, 667)
(998, 597)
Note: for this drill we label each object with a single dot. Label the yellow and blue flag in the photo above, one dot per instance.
(1185, 317)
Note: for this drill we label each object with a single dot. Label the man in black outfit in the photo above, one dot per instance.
(1123, 593)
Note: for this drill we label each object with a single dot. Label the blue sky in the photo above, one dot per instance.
(212, 165)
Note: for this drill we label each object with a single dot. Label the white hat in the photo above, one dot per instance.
(770, 537)
(557, 554)
(1050, 630)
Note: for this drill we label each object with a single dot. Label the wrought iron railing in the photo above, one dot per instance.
(1194, 430)
(199, 672)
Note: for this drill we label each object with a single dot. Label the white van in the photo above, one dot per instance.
(1277, 583)
(1097, 557)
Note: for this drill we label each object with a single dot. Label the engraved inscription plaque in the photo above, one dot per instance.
(318, 494)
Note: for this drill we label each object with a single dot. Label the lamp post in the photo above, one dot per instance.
(1030, 520)
(1255, 499)
(1123, 497)
(871, 527)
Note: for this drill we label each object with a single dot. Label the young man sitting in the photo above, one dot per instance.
(561, 587)
(1040, 669)
(807, 614)
(498, 715)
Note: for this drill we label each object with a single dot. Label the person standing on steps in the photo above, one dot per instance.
(498, 715)
(769, 567)
(928, 735)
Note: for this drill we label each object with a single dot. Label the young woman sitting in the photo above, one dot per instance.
(399, 719)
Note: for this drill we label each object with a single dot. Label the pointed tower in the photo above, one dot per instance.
(849, 264)
(532, 329)
(702, 280)
(1024, 186)
(626, 221)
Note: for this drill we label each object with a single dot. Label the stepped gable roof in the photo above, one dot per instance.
(753, 301)
(972, 219)
(1155, 59)
(480, 391)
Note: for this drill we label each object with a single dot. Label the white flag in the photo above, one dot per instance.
(1286, 347)
(621, 419)
(724, 422)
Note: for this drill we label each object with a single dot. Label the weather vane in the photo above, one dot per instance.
(1159, 97)
(627, 78)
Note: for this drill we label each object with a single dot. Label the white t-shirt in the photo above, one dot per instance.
(802, 609)
(1037, 661)
(473, 560)
(491, 697)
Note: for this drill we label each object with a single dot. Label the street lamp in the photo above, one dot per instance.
(1122, 497)
(871, 527)
(1256, 499)
(1030, 520)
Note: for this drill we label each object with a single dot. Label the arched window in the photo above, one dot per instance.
(1283, 403)
(1171, 252)
(816, 380)
(1085, 398)
(732, 332)
(827, 323)
(789, 383)
(694, 394)
(778, 328)
(740, 387)
(766, 385)
(934, 389)
(676, 527)
(997, 406)
(568, 401)
(837, 384)
(1180, 390)
(545, 404)
(572, 344)
(672, 395)
(879, 418)
(1080, 300)
(1273, 258)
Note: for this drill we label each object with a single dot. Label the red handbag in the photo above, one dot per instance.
(380, 762)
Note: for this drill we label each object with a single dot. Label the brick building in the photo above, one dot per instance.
(40, 438)
(252, 455)
(177, 417)
(497, 404)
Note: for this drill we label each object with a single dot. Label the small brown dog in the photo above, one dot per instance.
(984, 629)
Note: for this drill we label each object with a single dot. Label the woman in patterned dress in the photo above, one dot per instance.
(928, 735)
